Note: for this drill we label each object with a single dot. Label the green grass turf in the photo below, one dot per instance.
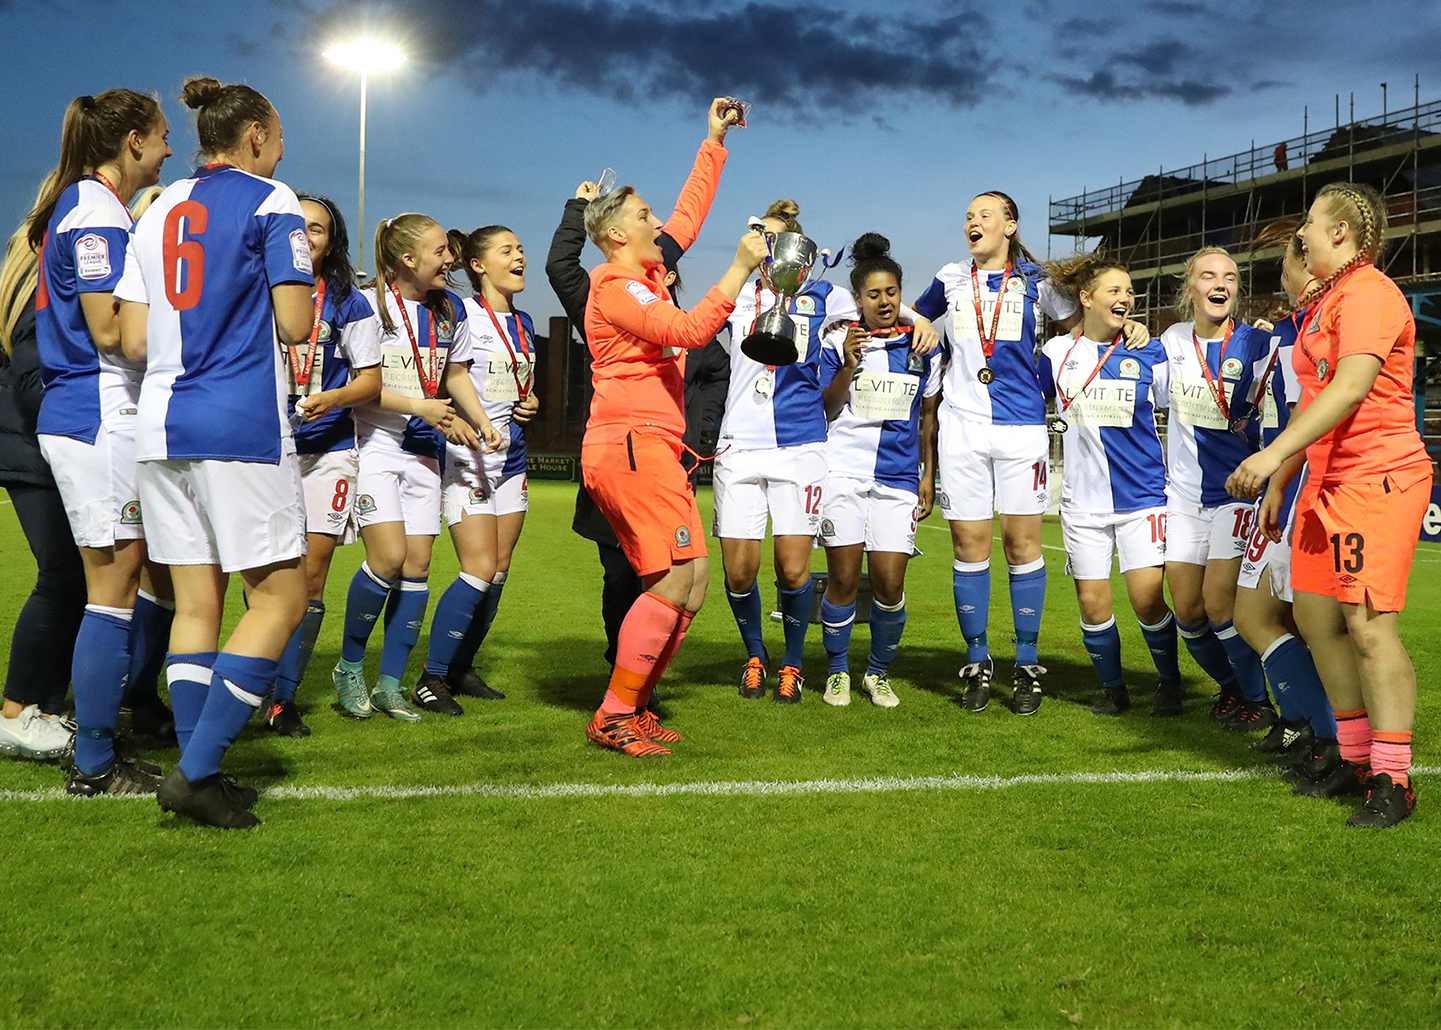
(1220, 903)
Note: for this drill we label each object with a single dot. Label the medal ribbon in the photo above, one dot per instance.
(1218, 392)
(429, 384)
(988, 344)
(1065, 400)
(302, 369)
(1271, 368)
(521, 388)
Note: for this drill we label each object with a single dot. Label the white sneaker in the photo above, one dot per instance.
(33, 734)
(878, 685)
(838, 689)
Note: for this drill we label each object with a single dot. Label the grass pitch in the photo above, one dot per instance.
(806, 866)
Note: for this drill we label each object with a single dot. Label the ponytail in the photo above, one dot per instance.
(1363, 209)
(223, 113)
(94, 131)
(468, 247)
(394, 238)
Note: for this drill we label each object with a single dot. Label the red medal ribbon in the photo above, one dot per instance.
(1066, 401)
(988, 344)
(522, 389)
(1218, 392)
(302, 369)
(881, 334)
(429, 383)
(100, 177)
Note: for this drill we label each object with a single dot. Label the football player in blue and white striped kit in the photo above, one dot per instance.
(993, 452)
(1113, 482)
(112, 145)
(1263, 594)
(336, 368)
(1209, 433)
(772, 462)
(485, 497)
(881, 468)
(217, 279)
(425, 344)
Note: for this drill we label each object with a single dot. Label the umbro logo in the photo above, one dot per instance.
(455, 634)
(1028, 611)
(968, 608)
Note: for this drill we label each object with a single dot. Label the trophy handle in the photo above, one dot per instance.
(823, 259)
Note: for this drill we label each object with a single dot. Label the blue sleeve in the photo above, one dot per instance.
(932, 304)
(830, 362)
(286, 248)
(355, 308)
(1048, 382)
(99, 256)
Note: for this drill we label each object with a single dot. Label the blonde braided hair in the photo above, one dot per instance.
(1363, 209)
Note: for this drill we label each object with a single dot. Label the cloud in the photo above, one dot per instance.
(1176, 8)
(1104, 85)
(797, 56)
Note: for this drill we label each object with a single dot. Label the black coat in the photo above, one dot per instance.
(21, 388)
(707, 371)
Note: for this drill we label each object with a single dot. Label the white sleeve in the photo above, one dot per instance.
(1289, 379)
(460, 347)
(1161, 383)
(841, 306)
(361, 342)
(1052, 303)
(131, 286)
(933, 377)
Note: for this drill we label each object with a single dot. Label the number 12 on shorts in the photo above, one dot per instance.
(813, 500)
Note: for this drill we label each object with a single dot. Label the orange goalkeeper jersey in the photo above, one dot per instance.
(638, 337)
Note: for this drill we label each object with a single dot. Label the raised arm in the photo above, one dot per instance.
(696, 196)
(568, 277)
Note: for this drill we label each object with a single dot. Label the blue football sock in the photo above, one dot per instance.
(298, 650)
(747, 610)
(1161, 639)
(887, 625)
(149, 640)
(240, 683)
(97, 672)
(796, 618)
(1028, 601)
(456, 610)
(837, 622)
(404, 616)
(363, 604)
(1207, 651)
(1245, 662)
(1103, 644)
(1292, 672)
(479, 628)
(971, 585)
(188, 678)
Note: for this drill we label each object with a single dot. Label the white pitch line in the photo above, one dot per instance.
(723, 788)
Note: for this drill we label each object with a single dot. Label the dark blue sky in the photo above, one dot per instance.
(885, 117)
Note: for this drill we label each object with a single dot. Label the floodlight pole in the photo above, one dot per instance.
(360, 232)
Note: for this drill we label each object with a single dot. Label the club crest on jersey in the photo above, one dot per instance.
(324, 335)
(915, 363)
(1232, 368)
(1129, 368)
(130, 514)
(92, 256)
(1015, 284)
(828, 528)
(682, 536)
(944, 500)
(444, 331)
(1322, 367)
(364, 504)
(805, 306)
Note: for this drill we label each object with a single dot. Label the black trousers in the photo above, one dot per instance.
(619, 591)
(44, 639)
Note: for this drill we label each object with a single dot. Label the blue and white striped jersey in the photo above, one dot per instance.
(780, 407)
(499, 367)
(83, 252)
(1014, 397)
(876, 435)
(204, 257)
(349, 338)
(1112, 460)
(400, 375)
(1201, 451)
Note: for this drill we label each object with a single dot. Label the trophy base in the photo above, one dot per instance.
(770, 349)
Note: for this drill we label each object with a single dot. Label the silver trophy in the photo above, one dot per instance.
(785, 272)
